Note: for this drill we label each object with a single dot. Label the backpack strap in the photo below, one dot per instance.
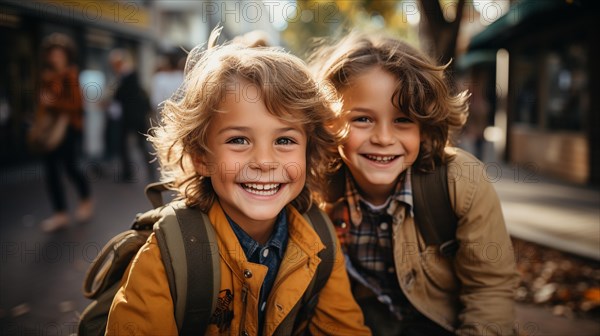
(154, 192)
(324, 228)
(189, 251)
(434, 215)
(301, 314)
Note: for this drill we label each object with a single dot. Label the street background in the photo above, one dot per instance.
(530, 66)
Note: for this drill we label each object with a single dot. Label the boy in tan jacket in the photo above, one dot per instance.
(398, 112)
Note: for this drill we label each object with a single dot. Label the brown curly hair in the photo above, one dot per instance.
(422, 91)
(288, 90)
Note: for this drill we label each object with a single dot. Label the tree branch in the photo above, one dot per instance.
(449, 50)
(431, 11)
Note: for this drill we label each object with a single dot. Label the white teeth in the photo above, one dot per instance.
(261, 189)
(383, 159)
(261, 186)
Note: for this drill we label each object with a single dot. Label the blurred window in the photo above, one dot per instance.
(526, 90)
(567, 88)
(551, 87)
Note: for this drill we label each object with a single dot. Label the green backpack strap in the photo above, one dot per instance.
(154, 193)
(203, 260)
(189, 251)
(434, 215)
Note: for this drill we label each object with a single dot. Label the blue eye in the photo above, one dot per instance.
(284, 141)
(238, 141)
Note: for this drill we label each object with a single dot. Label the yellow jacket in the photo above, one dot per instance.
(143, 305)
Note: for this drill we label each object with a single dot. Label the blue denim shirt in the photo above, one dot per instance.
(269, 255)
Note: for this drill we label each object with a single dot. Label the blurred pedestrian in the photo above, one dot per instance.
(60, 95)
(473, 139)
(131, 106)
(168, 78)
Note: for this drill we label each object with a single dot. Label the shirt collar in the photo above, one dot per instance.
(402, 193)
(277, 241)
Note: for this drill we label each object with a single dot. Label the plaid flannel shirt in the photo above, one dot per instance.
(370, 241)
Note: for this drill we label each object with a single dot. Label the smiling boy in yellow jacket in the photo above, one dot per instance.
(237, 141)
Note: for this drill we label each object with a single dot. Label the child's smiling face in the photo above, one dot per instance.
(257, 162)
(383, 141)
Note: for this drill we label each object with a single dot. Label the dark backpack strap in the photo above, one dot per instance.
(187, 241)
(324, 228)
(434, 215)
(298, 319)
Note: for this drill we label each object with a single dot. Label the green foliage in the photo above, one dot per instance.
(314, 18)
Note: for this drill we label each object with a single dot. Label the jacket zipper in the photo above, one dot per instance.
(245, 304)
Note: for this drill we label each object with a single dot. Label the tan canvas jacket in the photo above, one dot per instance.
(472, 292)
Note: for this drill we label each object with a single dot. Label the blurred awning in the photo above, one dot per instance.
(528, 16)
(476, 57)
(129, 18)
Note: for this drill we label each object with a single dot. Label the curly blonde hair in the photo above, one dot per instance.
(288, 91)
(422, 91)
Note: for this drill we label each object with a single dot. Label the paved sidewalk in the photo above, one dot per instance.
(547, 212)
(540, 321)
(555, 214)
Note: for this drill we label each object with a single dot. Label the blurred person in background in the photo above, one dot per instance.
(168, 78)
(473, 139)
(60, 94)
(130, 106)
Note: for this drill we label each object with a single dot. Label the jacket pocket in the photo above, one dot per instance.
(438, 269)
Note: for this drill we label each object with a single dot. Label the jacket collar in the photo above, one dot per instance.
(304, 243)
(277, 242)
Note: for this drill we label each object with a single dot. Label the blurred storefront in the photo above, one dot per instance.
(146, 28)
(184, 23)
(541, 59)
(95, 26)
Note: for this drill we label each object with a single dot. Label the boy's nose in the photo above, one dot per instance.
(264, 159)
(383, 135)
(263, 165)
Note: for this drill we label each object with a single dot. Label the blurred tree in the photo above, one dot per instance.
(438, 21)
(441, 20)
(439, 26)
(319, 18)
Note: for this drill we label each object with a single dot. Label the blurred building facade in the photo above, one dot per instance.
(184, 23)
(143, 27)
(537, 65)
(95, 26)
